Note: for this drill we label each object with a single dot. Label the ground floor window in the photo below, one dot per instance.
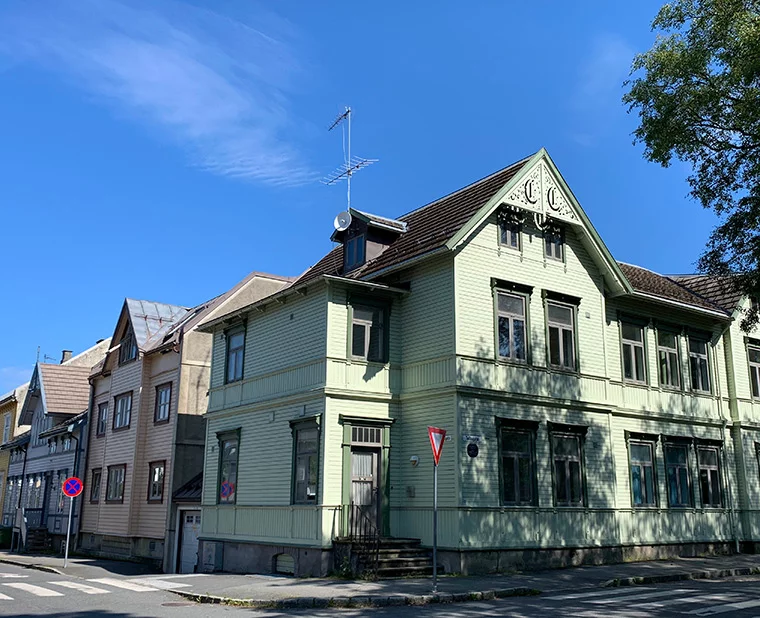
(229, 446)
(517, 465)
(679, 478)
(567, 457)
(643, 485)
(708, 458)
(95, 483)
(115, 483)
(306, 470)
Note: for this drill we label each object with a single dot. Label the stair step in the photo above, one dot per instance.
(403, 571)
(414, 562)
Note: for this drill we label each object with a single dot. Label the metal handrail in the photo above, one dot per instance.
(34, 518)
(361, 529)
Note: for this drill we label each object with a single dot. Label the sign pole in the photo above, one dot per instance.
(68, 532)
(435, 527)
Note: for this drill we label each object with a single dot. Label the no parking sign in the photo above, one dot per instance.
(71, 487)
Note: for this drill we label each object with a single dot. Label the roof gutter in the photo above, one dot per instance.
(9, 399)
(364, 284)
(686, 307)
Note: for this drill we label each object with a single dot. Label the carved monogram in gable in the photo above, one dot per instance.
(539, 192)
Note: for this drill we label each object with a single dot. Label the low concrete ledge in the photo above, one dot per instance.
(677, 577)
(27, 565)
(361, 600)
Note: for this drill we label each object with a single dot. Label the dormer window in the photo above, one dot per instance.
(127, 348)
(353, 253)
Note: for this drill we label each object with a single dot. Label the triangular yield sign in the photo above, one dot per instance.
(436, 442)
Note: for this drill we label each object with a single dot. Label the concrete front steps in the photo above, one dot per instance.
(403, 558)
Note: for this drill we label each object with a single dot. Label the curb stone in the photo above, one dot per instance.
(360, 600)
(36, 567)
(677, 577)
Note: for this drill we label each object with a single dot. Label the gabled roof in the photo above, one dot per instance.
(65, 388)
(428, 228)
(667, 288)
(718, 290)
(190, 491)
(63, 427)
(151, 320)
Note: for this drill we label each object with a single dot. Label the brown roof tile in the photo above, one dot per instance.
(428, 227)
(718, 290)
(66, 388)
(650, 282)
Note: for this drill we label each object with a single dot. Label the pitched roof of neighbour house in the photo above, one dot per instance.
(427, 228)
(718, 290)
(19, 440)
(660, 286)
(190, 491)
(151, 320)
(65, 388)
(63, 426)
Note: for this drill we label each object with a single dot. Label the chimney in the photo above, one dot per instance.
(65, 356)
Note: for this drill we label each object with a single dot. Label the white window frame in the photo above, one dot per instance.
(115, 482)
(6, 427)
(754, 370)
(161, 413)
(128, 347)
(670, 356)
(156, 486)
(122, 416)
(368, 325)
(554, 243)
(700, 358)
(710, 500)
(511, 317)
(510, 235)
(234, 356)
(563, 365)
(629, 347)
(102, 419)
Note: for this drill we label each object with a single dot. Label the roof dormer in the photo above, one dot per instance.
(364, 236)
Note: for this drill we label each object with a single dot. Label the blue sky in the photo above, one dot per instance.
(162, 150)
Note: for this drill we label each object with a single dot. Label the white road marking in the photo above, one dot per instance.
(580, 595)
(722, 609)
(12, 576)
(37, 591)
(5, 597)
(159, 583)
(636, 597)
(81, 587)
(147, 578)
(699, 599)
(121, 583)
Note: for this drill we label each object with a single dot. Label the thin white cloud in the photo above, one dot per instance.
(597, 97)
(216, 85)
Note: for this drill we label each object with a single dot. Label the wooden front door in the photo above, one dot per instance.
(365, 472)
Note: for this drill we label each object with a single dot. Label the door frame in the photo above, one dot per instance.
(383, 481)
(178, 534)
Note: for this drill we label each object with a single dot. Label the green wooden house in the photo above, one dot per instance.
(593, 408)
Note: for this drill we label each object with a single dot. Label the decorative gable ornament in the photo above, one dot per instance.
(540, 193)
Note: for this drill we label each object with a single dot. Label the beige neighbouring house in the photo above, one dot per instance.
(10, 404)
(597, 411)
(146, 430)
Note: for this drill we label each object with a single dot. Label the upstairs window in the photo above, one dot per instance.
(354, 250)
(127, 347)
(667, 353)
(97, 473)
(634, 367)
(163, 401)
(6, 427)
(102, 418)
(700, 373)
(123, 411)
(509, 234)
(511, 326)
(561, 327)
(156, 481)
(235, 355)
(554, 245)
(753, 353)
(368, 340)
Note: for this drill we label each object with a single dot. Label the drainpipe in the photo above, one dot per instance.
(21, 492)
(86, 426)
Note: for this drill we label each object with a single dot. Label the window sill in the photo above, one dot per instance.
(511, 362)
(155, 501)
(564, 370)
(231, 382)
(122, 428)
(115, 501)
(628, 382)
(127, 362)
(164, 421)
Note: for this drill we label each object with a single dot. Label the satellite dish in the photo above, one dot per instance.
(342, 221)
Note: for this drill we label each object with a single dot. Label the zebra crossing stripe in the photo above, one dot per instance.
(81, 587)
(722, 609)
(583, 595)
(121, 583)
(637, 597)
(5, 597)
(726, 598)
(158, 583)
(37, 591)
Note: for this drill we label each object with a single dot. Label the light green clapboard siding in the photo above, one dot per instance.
(266, 447)
(482, 259)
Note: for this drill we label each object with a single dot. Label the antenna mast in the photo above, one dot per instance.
(351, 165)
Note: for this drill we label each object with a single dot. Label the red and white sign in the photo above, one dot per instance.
(72, 487)
(436, 441)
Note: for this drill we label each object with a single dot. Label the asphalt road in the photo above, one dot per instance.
(26, 592)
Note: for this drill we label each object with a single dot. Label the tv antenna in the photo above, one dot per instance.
(351, 164)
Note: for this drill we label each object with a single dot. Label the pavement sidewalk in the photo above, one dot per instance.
(288, 592)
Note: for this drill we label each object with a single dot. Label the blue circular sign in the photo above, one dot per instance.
(72, 487)
(226, 489)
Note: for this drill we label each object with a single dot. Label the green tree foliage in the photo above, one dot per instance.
(697, 93)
